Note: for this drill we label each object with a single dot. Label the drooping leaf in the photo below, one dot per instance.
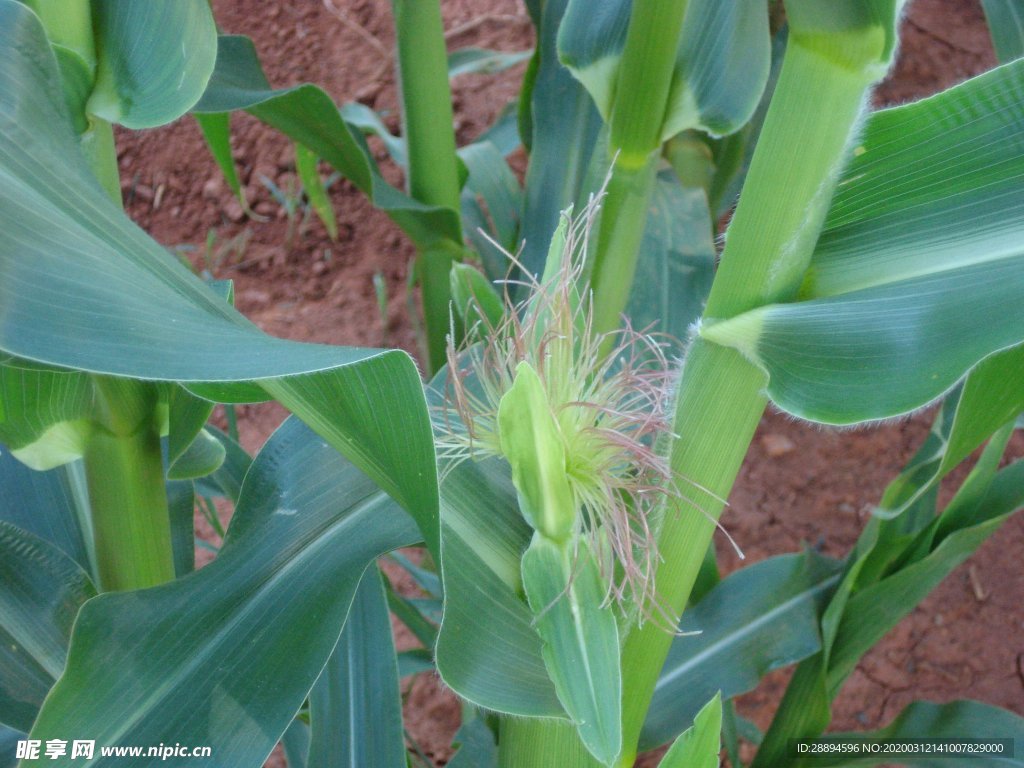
(758, 619)
(308, 116)
(226, 656)
(917, 275)
(84, 288)
(9, 739)
(154, 59)
(41, 590)
(698, 746)
(355, 712)
(580, 640)
(720, 71)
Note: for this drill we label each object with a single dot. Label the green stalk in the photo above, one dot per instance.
(642, 92)
(123, 462)
(816, 105)
(536, 743)
(127, 496)
(428, 127)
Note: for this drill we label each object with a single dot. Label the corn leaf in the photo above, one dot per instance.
(925, 720)
(487, 649)
(760, 618)
(84, 288)
(316, 193)
(308, 116)
(580, 640)
(718, 78)
(919, 272)
(481, 61)
(154, 58)
(698, 746)
(8, 746)
(677, 261)
(41, 590)
(355, 712)
(260, 626)
(559, 125)
(989, 398)
(1006, 24)
(476, 747)
(492, 204)
(53, 505)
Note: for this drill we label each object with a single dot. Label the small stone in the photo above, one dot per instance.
(213, 188)
(318, 268)
(776, 445)
(233, 210)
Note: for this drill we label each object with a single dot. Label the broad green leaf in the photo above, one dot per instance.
(559, 126)
(41, 590)
(181, 507)
(53, 505)
(925, 720)
(1006, 24)
(918, 273)
(468, 61)
(295, 743)
(476, 747)
(154, 58)
(84, 288)
(930, 187)
(720, 71)
(487, 649)
(492, 204)
(883, 351)
(677, 261)
(758, 619)
(698, 746)
(580, 639)
(355, 712)
(226, 656)
(306, 167)
(308, 116)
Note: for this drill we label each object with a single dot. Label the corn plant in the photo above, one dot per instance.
(562, 472)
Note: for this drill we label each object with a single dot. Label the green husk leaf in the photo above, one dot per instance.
(580, 639)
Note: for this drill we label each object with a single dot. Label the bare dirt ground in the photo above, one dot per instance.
(801, 485)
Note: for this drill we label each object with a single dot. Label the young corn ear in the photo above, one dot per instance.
(579, 428)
